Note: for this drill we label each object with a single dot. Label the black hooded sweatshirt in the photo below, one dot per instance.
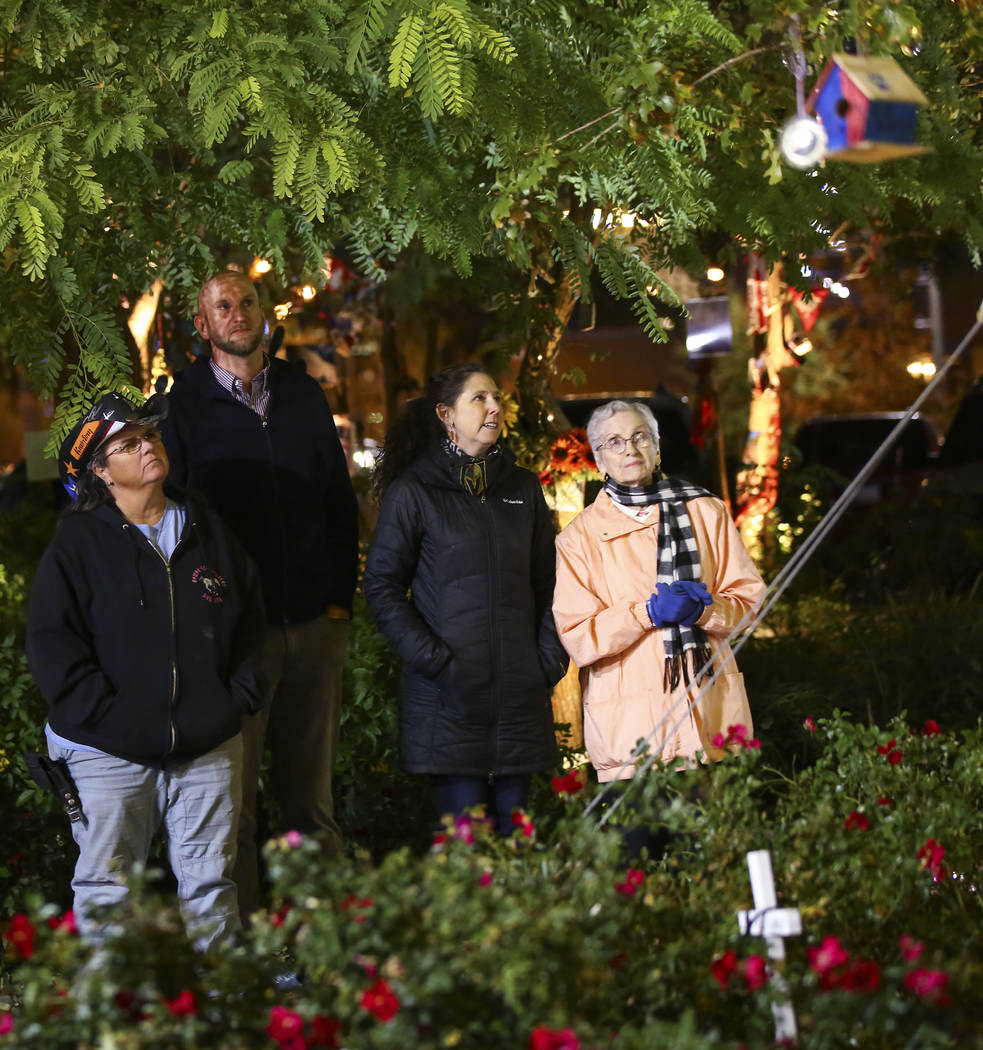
(151, 661)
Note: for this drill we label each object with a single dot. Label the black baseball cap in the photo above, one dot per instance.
(108, 415)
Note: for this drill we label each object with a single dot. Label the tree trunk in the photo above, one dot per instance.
(757, 480)
(540, 410)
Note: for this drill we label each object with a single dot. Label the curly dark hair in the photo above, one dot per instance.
(418, 425)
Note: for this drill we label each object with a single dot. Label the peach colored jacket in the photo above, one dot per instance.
(606, 569)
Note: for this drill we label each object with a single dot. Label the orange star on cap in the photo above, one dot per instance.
(71, 471)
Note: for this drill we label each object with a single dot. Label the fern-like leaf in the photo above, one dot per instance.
(366, 27)
(406, 45)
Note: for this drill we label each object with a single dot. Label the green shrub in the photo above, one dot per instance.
(36, 848)
(491, 943)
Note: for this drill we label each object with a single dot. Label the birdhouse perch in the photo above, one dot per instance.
(868, 107)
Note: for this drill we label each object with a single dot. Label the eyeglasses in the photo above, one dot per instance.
(640, 439)
(134, 444)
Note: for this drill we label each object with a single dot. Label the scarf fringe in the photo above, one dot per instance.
(677, 669)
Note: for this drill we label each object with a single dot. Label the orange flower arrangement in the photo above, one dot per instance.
(570, 453)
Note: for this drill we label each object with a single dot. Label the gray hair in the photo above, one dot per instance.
(604, 412)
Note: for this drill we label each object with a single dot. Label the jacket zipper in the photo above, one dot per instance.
(170, 711)
(271, 452)
(170, 593)
(493, 638)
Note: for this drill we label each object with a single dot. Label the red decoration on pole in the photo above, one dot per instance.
(809, 311)
(757, 295)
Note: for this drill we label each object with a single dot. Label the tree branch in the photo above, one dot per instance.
(603, 116)
(732, 61)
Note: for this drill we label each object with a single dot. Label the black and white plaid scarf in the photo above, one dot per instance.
(679, 559)
(472, 471)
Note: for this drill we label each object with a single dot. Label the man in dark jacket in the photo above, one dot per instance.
(257, 438)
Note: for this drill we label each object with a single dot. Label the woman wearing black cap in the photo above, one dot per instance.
(145, 626)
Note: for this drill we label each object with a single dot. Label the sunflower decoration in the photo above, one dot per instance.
(510, 415)
(570, 456)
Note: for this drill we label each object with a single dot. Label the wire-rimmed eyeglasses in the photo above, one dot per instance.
(640, 439)
(133, 444)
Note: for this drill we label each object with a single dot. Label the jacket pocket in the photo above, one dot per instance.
(603, 681)
(728, 707)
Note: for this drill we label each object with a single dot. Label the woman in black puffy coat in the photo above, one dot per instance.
(460, 580)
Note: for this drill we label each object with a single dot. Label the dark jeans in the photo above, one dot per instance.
(636, 836)
(454, 794)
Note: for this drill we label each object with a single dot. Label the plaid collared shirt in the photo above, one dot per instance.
(258, 396)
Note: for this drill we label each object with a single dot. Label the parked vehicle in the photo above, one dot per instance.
(964, 439)
(843, 444)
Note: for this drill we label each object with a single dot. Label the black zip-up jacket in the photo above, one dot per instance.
(281, 484)
(479, 647)
(153, 662)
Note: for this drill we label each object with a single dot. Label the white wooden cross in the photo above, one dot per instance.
(773, 923)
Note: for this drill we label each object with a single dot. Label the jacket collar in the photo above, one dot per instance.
(199, 375)
(433, 467)
(608, 523)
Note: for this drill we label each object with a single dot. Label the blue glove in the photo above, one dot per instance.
(681, 601)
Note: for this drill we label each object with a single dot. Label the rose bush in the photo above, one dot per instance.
(554, 938)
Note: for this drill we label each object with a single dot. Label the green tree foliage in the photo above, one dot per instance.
(151, 141)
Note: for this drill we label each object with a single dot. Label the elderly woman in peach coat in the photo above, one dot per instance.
(650, 580)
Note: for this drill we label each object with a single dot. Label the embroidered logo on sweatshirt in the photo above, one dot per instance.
(519, 501)
(212, 585)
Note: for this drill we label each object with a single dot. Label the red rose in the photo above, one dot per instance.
(543, 1038)
(722, 967)
(357, 905)
(325, 1031)
(827, 956)
(754, 970)
(286, 1027)
(931, 728)
(893, 754)
(571, 783)
(19, 934)
(183, 1005)
(63, 924)
(857, 820)
(632, 880)
(380, 1000)
(910, 948)
(929, 985)
(862, 975)
(523, 821)
(931, 855)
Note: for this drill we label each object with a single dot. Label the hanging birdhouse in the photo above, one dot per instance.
(868, 107)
